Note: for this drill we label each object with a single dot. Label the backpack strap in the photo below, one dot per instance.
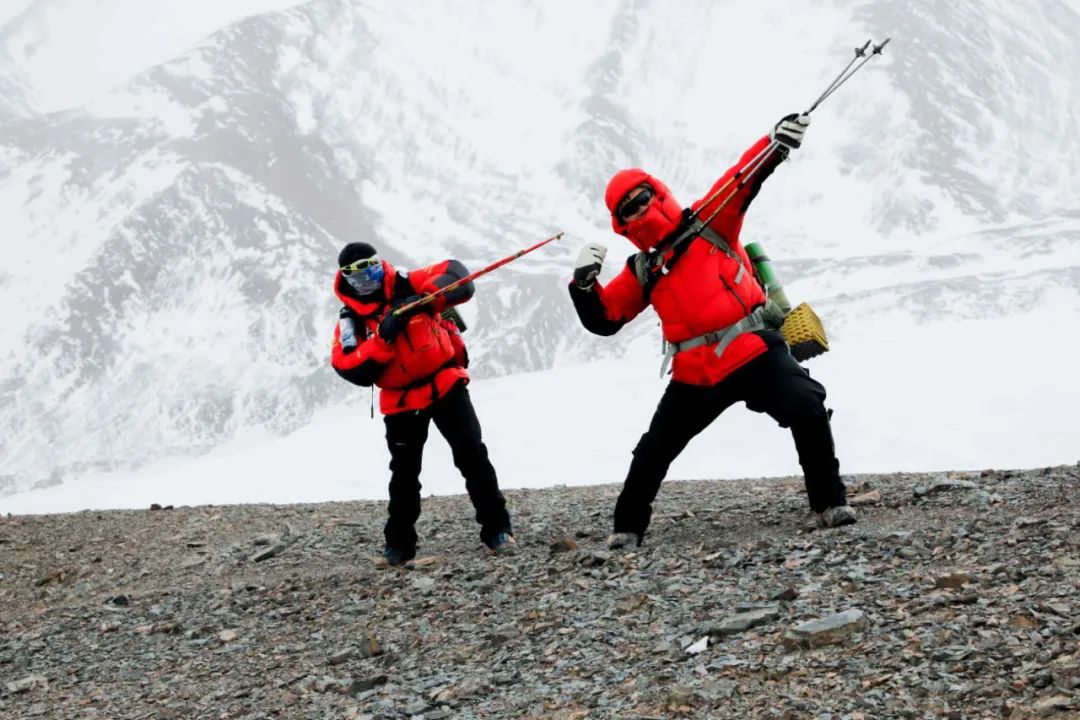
(648, 267)
(764, 317)
(721, 244)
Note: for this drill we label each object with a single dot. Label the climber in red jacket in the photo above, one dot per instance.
(418, 361)
(721, 331)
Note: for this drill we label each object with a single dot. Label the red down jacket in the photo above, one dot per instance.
(426, 360)
(699, 295)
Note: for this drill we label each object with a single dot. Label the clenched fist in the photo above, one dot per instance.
(589, 262)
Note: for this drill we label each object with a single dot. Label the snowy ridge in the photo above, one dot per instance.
(169, 244)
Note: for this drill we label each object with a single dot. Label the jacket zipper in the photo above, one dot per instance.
(746, 310)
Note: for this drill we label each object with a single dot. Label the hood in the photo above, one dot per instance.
(659, 220)
(365, 306)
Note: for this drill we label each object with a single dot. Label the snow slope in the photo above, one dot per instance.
(578, 423)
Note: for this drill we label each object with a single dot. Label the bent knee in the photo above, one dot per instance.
(799, 408)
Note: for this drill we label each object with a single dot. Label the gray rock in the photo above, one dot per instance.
(341, 656)
(827, 630)
(741, 622)
(415, 708)
(269, 552)
(424, 583)
(26, 684)
(942, 486)
(366, 684)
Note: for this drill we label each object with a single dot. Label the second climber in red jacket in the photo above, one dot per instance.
(418, 362)
(720, 330)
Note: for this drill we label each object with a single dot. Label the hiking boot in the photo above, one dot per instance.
(622, 540)
(836, 517)
(503, 544)
(395, 557)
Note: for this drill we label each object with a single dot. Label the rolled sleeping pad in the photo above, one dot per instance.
(765, 270)
(802, 328)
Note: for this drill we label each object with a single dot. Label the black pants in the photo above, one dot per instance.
(406, 433)
(772, 383)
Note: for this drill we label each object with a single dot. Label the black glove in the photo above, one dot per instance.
(454, 316)
(790, 131)
(589, 262)
(391, 325)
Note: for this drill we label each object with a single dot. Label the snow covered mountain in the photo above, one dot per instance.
(168, 244)
(61, 54)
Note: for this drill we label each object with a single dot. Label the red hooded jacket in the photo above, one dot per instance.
(700, 293)
(426, 360)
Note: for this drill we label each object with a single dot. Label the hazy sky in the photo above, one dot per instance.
(69, 51)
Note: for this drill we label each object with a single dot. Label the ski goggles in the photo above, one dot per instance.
(636, 204)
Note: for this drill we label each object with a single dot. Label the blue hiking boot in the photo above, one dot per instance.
(503, 544)
(396, 557)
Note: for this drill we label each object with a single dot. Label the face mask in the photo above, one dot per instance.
(649, 229)
(366, 280)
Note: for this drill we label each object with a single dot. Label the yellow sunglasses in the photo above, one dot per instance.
(359, 265)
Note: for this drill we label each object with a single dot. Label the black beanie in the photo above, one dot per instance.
(353, 252)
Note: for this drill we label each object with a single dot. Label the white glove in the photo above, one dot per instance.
(790, 131)
(589, 262)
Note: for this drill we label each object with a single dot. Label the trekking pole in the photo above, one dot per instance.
(859, 52)
(751, 167)
(760, 157)
(836, 86)
(765, 155)
(469, 278)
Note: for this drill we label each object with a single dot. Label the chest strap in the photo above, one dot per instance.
(648, 267)
(764, 317)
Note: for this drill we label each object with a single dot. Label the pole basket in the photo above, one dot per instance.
(804, 333)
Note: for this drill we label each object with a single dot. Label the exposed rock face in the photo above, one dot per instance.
(934, 605)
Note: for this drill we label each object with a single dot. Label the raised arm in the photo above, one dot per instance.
(757, 164)
(728, 221)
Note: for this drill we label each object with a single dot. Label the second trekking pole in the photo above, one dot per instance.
(469, 278)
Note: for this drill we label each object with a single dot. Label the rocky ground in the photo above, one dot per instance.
(956, 596)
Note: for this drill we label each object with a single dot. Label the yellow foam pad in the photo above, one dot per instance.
(804, 333)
